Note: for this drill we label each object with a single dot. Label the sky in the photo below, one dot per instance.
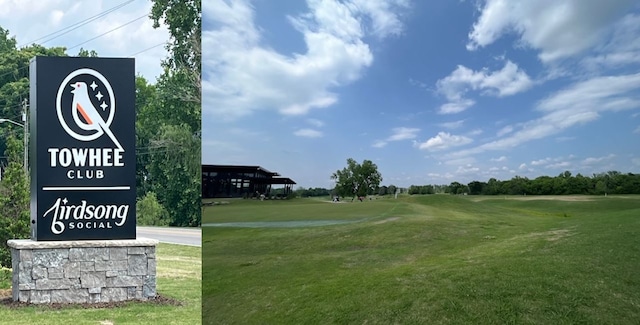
(111, 28)
(431, 91)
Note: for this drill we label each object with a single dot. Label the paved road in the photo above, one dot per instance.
(173, 235)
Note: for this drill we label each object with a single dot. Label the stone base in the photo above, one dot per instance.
(83, 271)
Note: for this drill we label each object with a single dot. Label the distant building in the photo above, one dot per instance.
(226, 181)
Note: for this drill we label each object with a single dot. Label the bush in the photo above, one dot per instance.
(150, 212)
(14, 201)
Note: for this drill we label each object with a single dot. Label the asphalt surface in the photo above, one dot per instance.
(173, 235)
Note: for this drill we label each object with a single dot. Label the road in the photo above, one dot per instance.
(173, 235)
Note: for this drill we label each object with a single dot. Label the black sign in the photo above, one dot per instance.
(83, 164)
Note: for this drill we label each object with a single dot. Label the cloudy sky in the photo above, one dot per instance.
(431, 91)
(111, 28)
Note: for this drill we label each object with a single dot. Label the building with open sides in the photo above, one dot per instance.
(227, 181)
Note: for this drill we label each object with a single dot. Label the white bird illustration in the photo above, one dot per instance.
(91, 118)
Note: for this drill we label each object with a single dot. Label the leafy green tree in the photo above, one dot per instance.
(476, 188)
(168, 134)
(14, 200)
(87, 53)
(150, 212)
(184, 21)
(175, 173)
(145, 97)
(357, 179)
(457, 188)
(427, 189)
(14, 79)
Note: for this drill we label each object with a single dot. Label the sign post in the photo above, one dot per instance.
(83, 246)
(83, 148)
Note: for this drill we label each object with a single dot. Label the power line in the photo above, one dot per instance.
(77, 25)
(105, 33)
(125, 24)
(147, 49)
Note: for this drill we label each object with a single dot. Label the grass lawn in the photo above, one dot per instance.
(435, 259)
(179, 277)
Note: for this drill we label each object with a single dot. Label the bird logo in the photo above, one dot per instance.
(86, 98)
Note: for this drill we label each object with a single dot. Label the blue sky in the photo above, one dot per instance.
(431, 91)
(112, 28)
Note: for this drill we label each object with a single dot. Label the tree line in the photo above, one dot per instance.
(612, 182)
(360, 179)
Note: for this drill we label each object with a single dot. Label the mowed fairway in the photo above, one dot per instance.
(435, 259)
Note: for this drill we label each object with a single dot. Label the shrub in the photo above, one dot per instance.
(150, 212)
(14, 201)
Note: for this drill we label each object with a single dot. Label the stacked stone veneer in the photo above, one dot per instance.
(83, 271)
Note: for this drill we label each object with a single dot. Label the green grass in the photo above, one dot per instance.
(179, 276)
(435, 259)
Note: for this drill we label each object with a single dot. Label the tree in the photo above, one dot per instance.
(476, 188)
(457, 188)
(14, 79)
(175, 173)
(184, 21)
(14, 201)
(357, 179)
(150, 212)
(168, 126)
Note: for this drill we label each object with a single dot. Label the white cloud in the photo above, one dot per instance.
(541, 162)
(563, 164)
(308, 133)
(505, 130)
(315, 122)
(444, 141)
(595, 160)
(384, 15)
(468, 169)
(56, 17)
(558, 29)
(579, 103)
(243, 75)
(508, 81)
(623, 47)
(403, 133)
(499, 159)
(461, 161)
(46, 23)
(399, 134)
(523, 166)
(456, 106)
(379, 144)
(452, 125)
(605, 93)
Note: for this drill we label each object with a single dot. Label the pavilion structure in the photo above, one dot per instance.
(228, 181)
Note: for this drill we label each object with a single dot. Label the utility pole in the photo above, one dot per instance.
(25, 138)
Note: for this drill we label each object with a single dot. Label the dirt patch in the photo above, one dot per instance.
(554, 235)
(7, 300)
(386, 220)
